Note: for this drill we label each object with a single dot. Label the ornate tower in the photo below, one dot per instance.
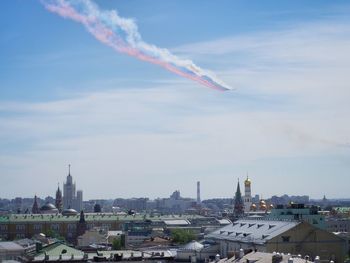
(238, 208)
(35, 208)
(81, 224)
(68, 191)
(247, 195)
(58, 201)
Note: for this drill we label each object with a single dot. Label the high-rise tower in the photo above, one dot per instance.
(68, 191)
(247, 195)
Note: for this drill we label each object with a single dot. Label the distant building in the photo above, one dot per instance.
(70, 198)
(299, 212)
(338, 224)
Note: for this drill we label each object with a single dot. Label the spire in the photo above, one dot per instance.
(58, 201)
(238, 205)
(35, 208)
(69, 177)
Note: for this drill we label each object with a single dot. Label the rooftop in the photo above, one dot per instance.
(261, 257)
(16, 218)
(252, 230)
(13, 246)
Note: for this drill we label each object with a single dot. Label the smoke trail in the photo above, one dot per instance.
(122, 35)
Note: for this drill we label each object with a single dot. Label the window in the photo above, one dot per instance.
(72, 227)
(3, 228)
(285, 238)
(19, 236)
(20, 227)
(55, 227)
(37, 227)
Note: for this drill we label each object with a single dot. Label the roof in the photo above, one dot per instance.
(193, 245)
(261, 257)
(177, 222)
(252, 230)
(48, 206)
(342, 209)
(90, 217)
(224, 221)
(57, 249)
(10, 246)
(115, 233)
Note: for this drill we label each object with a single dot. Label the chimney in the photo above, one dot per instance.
(241, 253)
(198, 192)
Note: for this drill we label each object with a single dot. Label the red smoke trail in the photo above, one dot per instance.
(105, 35)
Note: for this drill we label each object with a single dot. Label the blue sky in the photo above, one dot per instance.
(131, 129)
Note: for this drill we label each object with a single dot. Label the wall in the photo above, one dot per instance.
(306, 239)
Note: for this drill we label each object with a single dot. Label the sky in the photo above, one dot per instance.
(133, 129)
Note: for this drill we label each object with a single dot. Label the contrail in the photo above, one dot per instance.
(122, 35)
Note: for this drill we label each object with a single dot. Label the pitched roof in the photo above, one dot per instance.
(10, 246)
(252, 230)
(54, 251)
(262, 257)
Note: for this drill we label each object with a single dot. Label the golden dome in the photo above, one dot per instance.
(247, 182)
(263, 207)
(262, 202)
(253, 207)
(271, 206)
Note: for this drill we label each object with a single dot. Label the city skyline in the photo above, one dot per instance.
(132, 129)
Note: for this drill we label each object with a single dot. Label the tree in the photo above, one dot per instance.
(182, 236)
(117, 244)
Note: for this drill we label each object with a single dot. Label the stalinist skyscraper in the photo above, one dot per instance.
(70, 199)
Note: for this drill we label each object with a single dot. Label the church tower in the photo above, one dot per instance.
(35, 208)
(58, 202)
(238, 208)
(247, 195)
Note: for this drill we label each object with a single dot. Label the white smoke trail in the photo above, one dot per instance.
(122, 35)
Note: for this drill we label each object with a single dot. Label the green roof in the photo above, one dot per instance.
(90, 217)
(342, 209)
(59, 249)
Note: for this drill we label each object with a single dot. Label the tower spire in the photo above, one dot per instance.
(68, 169)
(238, 202)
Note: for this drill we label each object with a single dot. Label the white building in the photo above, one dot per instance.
(10, 251)
(247, 195)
